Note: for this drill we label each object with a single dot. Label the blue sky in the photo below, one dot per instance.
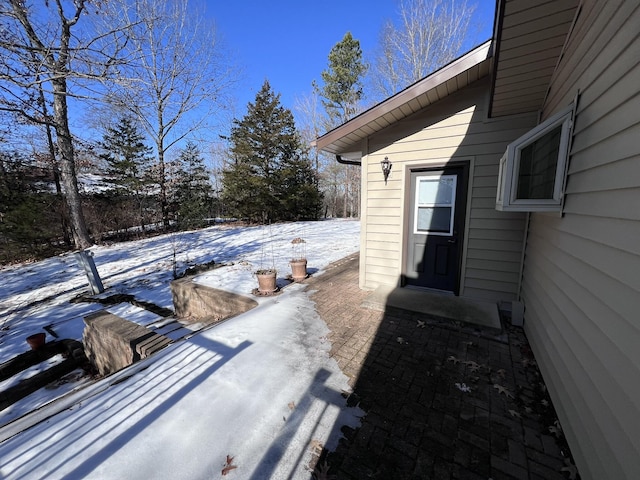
(288, 41)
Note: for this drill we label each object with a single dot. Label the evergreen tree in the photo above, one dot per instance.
(298, 188)
(270, 177)
(341, 95)
(26, 209)
(193, 191)
(128, 160)
(342, 89)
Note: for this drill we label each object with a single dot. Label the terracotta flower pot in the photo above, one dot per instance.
(298, 269)
(36, 341)
(266, 281)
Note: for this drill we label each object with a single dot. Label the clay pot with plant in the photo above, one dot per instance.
(266, 280)
(267, 276)
(298, 260)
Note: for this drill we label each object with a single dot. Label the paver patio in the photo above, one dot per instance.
(442, 400)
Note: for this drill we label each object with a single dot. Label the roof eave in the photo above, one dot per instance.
(327, 142)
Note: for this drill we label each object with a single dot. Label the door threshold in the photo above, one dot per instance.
(430, 290)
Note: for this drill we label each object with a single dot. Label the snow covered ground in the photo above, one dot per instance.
(260, 388)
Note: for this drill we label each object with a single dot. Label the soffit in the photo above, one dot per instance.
(442, 83)
(530, 38)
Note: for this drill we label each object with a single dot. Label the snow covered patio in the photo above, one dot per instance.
(260, 388)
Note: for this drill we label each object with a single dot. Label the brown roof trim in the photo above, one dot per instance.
(497, 35)
(394, 103)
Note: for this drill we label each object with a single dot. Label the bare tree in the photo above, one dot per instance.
(312, 123)
(178, 78)
(42, 50)
(430, 34)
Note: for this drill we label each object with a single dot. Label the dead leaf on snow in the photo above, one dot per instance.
(228, 466)
(316, 446)
(292, 405)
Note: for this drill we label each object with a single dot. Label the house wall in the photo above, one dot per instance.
(581, 285)
(454, 129)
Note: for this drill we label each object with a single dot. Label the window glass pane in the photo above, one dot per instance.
(434, 219)
(436, 190)
(537, 168)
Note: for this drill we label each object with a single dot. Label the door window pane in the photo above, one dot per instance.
(435, 204)
(436, 190)
(434, 219)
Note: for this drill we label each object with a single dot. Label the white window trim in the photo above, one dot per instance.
(509, 164)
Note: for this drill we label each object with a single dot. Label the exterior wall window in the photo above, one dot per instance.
(532, 170)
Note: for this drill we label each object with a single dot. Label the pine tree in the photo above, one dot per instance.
(342, 89)
(270, 177)
(341, 95)
(193, 191)
(298, 188)
(26, 209)
(128, 160)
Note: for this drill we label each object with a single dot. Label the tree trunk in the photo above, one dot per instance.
(56, 169)
(162, 181)
(67, 165)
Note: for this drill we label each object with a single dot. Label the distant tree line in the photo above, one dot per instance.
(268, 178)
(120, 200)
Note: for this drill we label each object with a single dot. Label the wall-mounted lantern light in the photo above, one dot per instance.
(386, 168)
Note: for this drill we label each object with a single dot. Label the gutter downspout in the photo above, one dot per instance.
(517, 306)
(522, 257)
(341, 160)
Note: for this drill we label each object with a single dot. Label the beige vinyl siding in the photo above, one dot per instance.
(380, 248)
(496, 238)
(453, 129)
(581, 285)
(532, 35)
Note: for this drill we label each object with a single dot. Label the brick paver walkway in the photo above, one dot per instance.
(442, 401)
